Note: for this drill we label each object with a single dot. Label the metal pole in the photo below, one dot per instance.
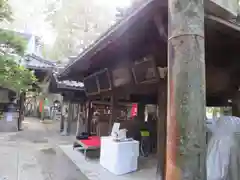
(186, 134)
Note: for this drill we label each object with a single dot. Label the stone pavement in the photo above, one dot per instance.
(34, 154)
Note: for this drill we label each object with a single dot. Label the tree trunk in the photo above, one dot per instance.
(21, 111)
(186, 133)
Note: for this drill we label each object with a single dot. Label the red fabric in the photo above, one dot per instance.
(40, 106)
(92, 141)
(134, 110)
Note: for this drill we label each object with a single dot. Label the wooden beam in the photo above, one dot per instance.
(186, 134)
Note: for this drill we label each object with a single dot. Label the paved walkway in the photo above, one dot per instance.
(34, 154)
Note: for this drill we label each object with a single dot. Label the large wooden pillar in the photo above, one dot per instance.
(186, 134)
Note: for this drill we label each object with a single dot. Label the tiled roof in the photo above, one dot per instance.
(68, 83)
(71, 83)
(33, 61)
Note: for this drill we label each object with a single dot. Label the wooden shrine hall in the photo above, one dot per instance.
(73, 96)
(177, 54)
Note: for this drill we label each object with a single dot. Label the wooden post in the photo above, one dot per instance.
(236, 104)
(89, 116)
(186, 133)
(141, 111)
(62, 117)
(113, 112)
(161, 130)
(78, 119)
(69, 118)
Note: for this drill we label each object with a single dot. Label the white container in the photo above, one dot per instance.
(119, 157)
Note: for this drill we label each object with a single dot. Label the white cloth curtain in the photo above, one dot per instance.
(223, 155)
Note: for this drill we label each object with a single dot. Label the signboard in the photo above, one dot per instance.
(104, 80)
(91, 85)
(121, 76)
(145, 71)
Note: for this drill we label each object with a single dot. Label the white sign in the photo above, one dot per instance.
(115, 129)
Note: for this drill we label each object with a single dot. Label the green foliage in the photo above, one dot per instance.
(9, 40)
(5, 11)
(12, 46)
(15, 76)
(77, 25)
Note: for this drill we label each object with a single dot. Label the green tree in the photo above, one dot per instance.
(12, 46)
(122, 12)
(5, 10)
(77, 24)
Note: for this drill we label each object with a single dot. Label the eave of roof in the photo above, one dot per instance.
(58, 85)
(32, 61)
(111, 35)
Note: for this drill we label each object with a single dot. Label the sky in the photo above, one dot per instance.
(29, 16)
(112, 4)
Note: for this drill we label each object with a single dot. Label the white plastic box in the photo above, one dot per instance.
(119, 157)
